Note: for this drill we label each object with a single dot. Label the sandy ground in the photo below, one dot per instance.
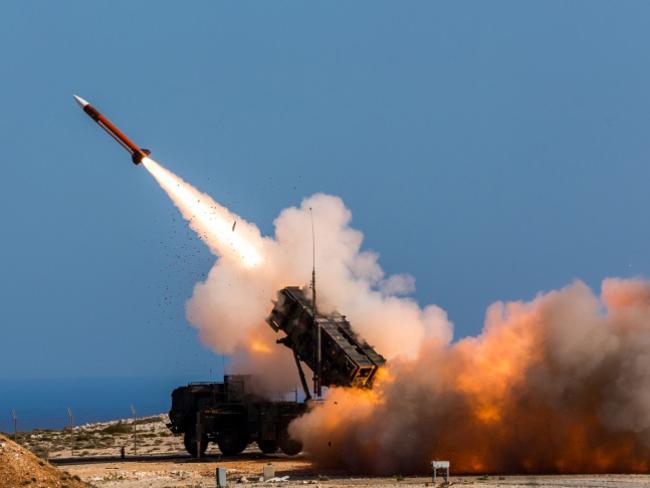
(245, 470)
(183, 471)
(160, 461)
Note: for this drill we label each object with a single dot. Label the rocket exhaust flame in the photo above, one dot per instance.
(560, 384)
(211, 221)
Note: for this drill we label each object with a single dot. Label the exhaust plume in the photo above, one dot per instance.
(558, 384)
(211, 221)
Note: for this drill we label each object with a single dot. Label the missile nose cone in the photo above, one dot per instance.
(82, 103)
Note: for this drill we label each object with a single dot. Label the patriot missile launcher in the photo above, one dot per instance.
(344, 359)
(232, 414)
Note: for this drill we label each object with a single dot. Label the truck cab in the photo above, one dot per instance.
(233, 416)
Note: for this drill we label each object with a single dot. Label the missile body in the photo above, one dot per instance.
(136, 153)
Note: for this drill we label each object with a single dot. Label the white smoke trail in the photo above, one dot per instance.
(212, 222)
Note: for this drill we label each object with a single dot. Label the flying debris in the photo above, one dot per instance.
(234, 224)
(137, 154)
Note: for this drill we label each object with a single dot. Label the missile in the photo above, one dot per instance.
(136, 153)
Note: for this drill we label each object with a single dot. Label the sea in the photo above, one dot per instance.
(44, 403)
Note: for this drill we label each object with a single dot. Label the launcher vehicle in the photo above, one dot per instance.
(233, 415)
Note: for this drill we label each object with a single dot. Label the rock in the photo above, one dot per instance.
(278, 479)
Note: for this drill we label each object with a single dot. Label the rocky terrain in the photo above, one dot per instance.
(144, 436)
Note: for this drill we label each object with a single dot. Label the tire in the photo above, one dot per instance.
(231, 442)
(268, 447)
(289, 446)
(189, 440)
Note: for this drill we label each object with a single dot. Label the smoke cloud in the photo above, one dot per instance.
(557, 384)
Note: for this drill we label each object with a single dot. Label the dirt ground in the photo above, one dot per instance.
(246, 470)
(19, 467)
(91, 452)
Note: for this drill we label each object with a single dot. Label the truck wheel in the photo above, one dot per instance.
(231, 442)
(268, 447)
(290, 446)
(189, 440)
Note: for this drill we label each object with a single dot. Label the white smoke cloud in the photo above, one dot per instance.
(230, 306)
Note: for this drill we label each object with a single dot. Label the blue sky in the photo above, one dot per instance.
(491, 149)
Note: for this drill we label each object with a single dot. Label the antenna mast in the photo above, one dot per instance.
(313, 264)
(317, 373)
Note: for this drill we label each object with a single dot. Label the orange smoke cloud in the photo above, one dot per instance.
(560, 384)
